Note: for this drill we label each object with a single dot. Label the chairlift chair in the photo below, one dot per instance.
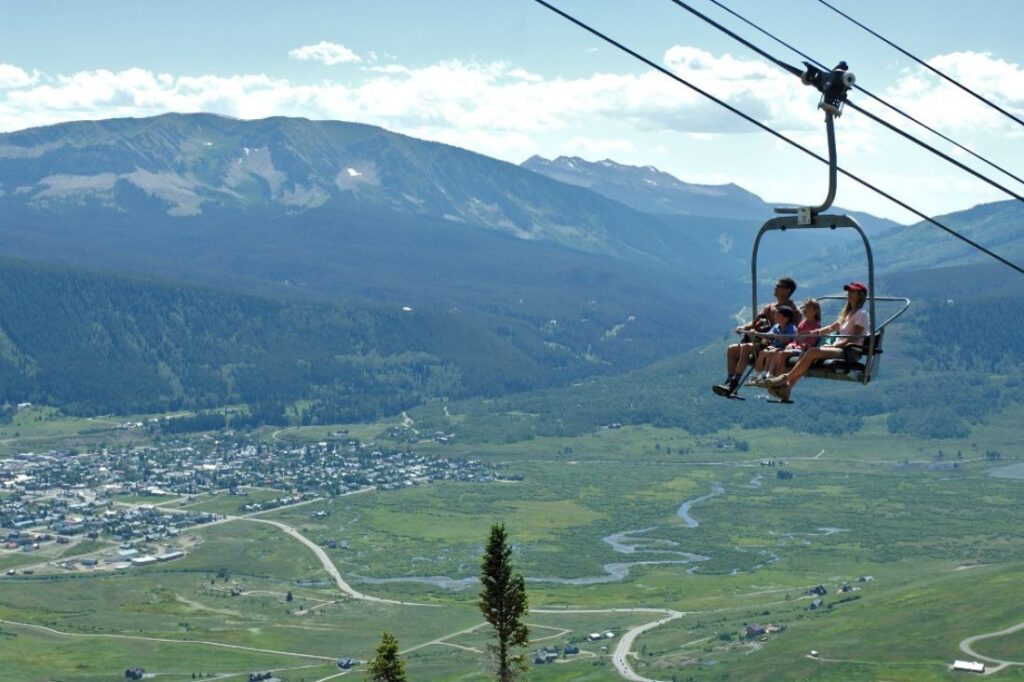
(814, 217)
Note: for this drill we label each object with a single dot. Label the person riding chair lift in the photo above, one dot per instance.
(833, 87)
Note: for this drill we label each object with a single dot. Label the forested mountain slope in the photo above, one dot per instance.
(92, 343)
(948, 363)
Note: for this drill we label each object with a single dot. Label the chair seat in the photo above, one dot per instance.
(834, 368)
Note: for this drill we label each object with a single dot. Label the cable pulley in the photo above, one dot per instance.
(833, 85)
(833, 88)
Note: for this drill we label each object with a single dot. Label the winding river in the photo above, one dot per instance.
(624, 542)
(684, 508)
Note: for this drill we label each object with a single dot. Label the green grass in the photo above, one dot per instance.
(32, 654)
(226, 503)
(145, 499)
(1006, 647)
(50, 551)
(908, 518)
(903, 629)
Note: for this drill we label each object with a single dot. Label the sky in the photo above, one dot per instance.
(510, 79)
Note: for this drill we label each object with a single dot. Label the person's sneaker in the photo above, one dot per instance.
(762, 382)
(779, 380)
(780, 393)
(754, 380)
(722, 390)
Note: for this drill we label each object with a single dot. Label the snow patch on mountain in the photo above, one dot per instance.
(359, 174)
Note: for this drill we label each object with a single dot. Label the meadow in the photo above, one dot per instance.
(927, 539)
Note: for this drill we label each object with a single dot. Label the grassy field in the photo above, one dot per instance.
(226, 503)
(145, 499)
(41, 655)
(771, 515)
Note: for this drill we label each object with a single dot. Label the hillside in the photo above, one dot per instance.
(936, 379)
(187, 165)
(650, 190)
(93, 343)
(922, 246)
(330, 211)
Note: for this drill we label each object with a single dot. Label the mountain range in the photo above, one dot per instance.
(573, 267)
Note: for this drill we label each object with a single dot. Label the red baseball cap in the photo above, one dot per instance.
(855, 286)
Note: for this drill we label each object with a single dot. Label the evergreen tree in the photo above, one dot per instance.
(504, 605)
(386, 666)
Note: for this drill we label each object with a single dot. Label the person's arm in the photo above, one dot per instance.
(764, 314)
(821, 331)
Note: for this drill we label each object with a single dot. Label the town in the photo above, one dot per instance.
(133, 503)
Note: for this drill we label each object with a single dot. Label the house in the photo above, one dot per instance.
(969, 666)
(570, 649)
(593, 636)
(816, 604)
(754, 630)
(819, 590)
(346, 663)
(170, 556)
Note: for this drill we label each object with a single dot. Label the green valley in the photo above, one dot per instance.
(613, 528)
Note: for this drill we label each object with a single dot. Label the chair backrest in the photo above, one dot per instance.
(873, 359)
(878, 342)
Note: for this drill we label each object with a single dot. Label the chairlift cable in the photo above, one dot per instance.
(924, 64)
(873, 96)
(871, 116)
(657, 67)
(933, 150)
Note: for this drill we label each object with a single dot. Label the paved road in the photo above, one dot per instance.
(625, 645)
(329, 566)
(965, 646)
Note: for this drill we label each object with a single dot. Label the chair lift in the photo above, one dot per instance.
(833, 87)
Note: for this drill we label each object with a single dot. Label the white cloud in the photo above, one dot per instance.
(503, 110)
(325, 53)
(992, 77)
(945, 106)
(14, 77)
(597, 147)
(454, 95)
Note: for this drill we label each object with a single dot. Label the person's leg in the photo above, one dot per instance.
(740, 358)
(809, 357)
(734, 356)
(731, 353)
(746, 357)
(778, 361)
(764, 359)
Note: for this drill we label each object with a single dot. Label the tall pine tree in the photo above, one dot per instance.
(503, 603)
(386, 666)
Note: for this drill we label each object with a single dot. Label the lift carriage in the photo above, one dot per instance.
(833, 86)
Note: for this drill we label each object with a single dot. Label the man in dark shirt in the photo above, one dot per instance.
(739, 355)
